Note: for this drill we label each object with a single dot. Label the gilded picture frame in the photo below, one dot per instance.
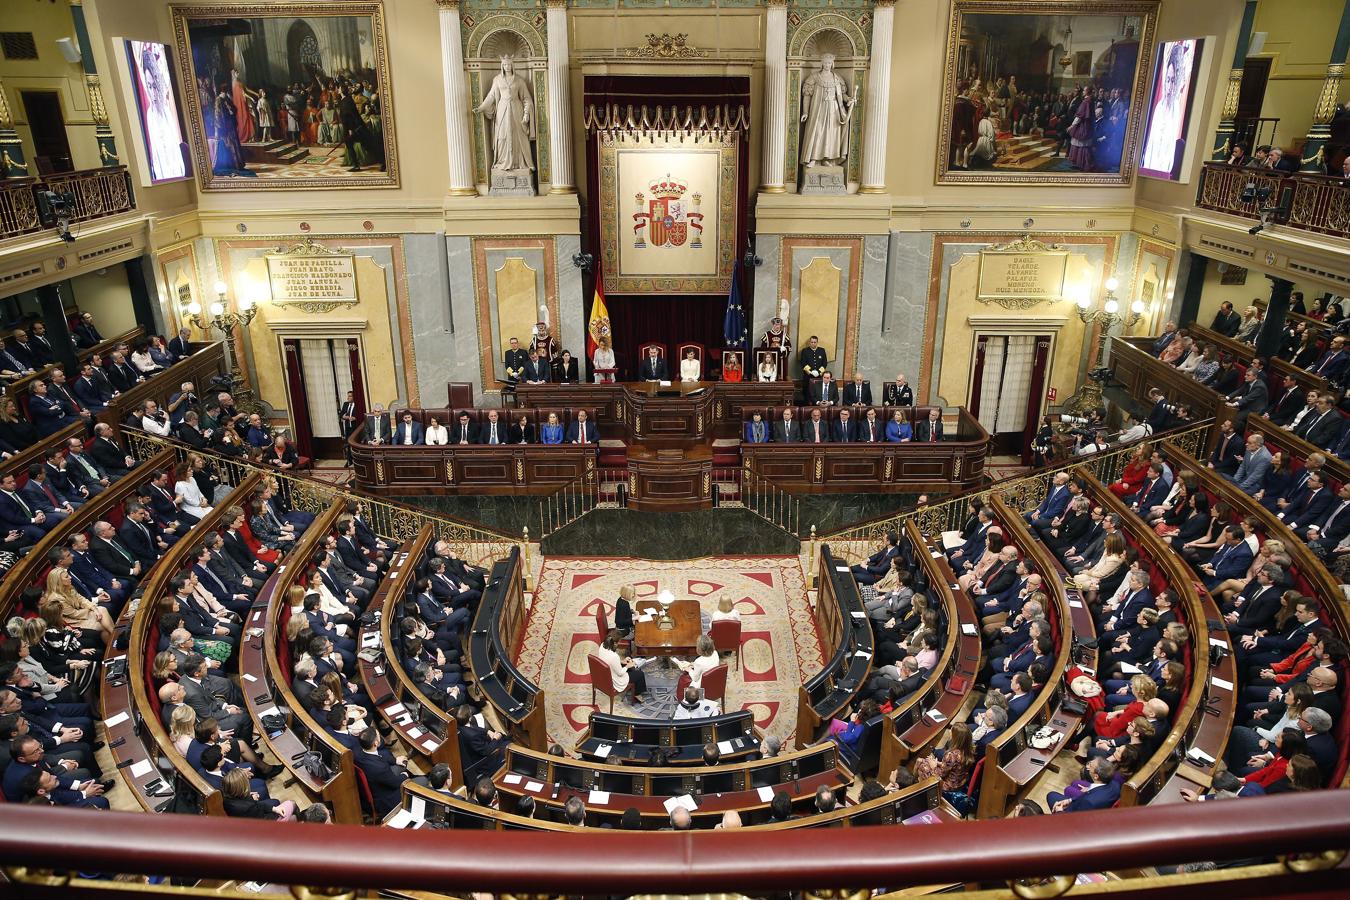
(317, 115)
(1004, 119)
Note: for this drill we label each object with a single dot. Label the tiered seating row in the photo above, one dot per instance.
(841, 620)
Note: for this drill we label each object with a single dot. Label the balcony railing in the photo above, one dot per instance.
(1315, 203)
(98, 193)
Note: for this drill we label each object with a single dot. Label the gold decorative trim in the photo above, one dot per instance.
(956, 467)
(872, 189)
(489, 349)
(819, 468)
(632, 484)
(520, 469)
(98, 110)
(449, 471)
(889, 469)
(637, 423)
(1041, 888)
(379, 471)
(717, 410)
(666, 46)
(447, 4)
(698, 424)
(707, 484)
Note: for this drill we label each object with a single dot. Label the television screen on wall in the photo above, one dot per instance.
(1169, 109)
(161, 126)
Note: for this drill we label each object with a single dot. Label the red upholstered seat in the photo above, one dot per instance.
(715, 683)
(602, 680)
(726, 637)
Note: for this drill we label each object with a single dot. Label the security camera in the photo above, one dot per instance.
(1256, 229)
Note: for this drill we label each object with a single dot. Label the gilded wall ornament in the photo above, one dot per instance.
(666, 46)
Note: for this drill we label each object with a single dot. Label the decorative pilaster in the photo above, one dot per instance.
(559, 102)
(1223, 137)
(1314, 148)
(12, 163)
(775, 98)
(98, 110)
(458, 132)
(878, 100)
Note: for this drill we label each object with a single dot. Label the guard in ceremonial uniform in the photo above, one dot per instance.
(776, 338)
(544, 343)
(514, 361)
(813, 360)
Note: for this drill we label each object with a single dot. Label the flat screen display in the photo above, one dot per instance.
(1169, 111)
(161, 126)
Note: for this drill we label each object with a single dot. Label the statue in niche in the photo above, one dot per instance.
(510, 108)
(827, 108)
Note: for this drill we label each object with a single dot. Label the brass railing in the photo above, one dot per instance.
(101, 192)
(578, 497)
(473, 543)
(745, 488)
(1307, 202)
(1020, 493)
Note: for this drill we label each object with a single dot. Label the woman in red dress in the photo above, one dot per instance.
(1136, 470)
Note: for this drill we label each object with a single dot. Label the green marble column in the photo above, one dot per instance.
(103, 134)
(1223, 138)
(1315, 146)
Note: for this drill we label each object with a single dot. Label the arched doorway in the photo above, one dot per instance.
(302, 52)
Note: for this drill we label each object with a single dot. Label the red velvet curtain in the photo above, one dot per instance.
(358, 378)
(295, 381)
(674, 320)
(1036, 396)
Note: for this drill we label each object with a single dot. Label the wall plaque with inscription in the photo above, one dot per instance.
(312, 275)
(1021, 274)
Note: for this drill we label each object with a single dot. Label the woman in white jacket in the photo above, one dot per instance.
(194, 502)
(707, 659)
(623, 670)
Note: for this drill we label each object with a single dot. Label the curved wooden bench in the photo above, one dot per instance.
(493, 641)
(144, 732)
(267, 688)
(630, 739)
(842, 619)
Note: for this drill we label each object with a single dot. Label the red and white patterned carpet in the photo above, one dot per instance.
(779, 644)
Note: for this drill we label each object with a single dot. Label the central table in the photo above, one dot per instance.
(650, 640)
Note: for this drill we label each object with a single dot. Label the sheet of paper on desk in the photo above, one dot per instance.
(256, 616)
(248, 677)
(415, 733)
(936, 554)
(858, 615)
(430, 746)
(401, 819)
(604, 750)
(1130, 669)
(117, 719)
(841, 568)
(512, 778)
(393, 710)
(1198, 754)
(1221, 683)
(141, 768)
(1219, 642)
(967, 628)
(683, 800)
(1075, 604)
(765, 794)
(418, 808)
(726, 746)
(645, 617)
(598, 798)
(533, 786)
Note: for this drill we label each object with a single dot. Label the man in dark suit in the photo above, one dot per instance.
(1230, 560)
(825, 392)
(1314, 506)
(1102, 791)
(481, 749)
(1288, 401)
(787, 430)
(349, 548)
(537, 368)
(16, 514)
(238, 548)
(112, 555)
(377, 426)
(236, 601)
(1322, 426)
(816, 430)
(1228, 451)
(929, 429)
(465, 432)
(408, 432)
(109, 454)
(347, 414)
(813, 359)
(238, 579)
(1255, 607)
(1150, 493)
(869, 429)
(359, 583)
(1332, 363)
(1169, 334)
(208, 704)
(48, 412)
(83, 565)
(973, 547)
(495, 431)
(653, 367)
(24, 351)
(1327, 534)
(843, 431)
(190, 432)
(1053, 506)
(384, 771)
(879, 563)
(122, 376)
(447, 588)
(166, 507)
(85, 334)
(90, 392)
(140, 536)
(582, 429)
(858, 392)
(1257, 651)
(37, 333)
(41, 495)
(180, 347)
(1226, 321)
(513, 361)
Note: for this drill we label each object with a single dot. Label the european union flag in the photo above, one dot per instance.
(733, 326)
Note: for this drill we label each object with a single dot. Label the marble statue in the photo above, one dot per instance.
(511, 110)
(826, 109)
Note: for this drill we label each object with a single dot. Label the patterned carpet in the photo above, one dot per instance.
(778, 635)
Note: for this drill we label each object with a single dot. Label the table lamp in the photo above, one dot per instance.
(665, 622)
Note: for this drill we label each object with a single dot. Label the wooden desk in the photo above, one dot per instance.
(669, 483)
(613, 409)
(674, 415)
(650, 640)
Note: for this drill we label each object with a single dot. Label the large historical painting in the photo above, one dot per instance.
(668, 214)
(1044, 92)
(286, 96)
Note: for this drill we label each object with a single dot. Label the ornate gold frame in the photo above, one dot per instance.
(184, 15)
(1023, 245)
(727, 143)
(1148, 9)
(307, 246)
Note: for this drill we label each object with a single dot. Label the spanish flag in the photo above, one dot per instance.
(597, 331)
